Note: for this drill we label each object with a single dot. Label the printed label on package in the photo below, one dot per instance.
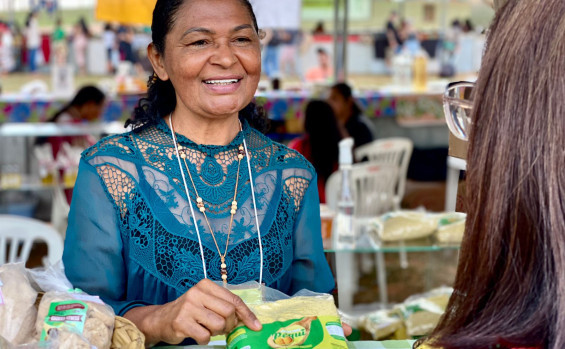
(68, 315)
(308, 332)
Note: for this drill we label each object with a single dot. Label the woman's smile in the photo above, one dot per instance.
(223, 85)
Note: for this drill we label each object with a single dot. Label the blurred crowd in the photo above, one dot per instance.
(29, 48)
(303, 54)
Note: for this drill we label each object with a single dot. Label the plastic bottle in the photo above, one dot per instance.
(343, 227)
(420, 72)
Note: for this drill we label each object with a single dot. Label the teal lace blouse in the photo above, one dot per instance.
(131, 238)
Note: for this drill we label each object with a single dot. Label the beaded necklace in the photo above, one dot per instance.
(241, 153)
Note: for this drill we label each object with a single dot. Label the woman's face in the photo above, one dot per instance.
(212, 57)
(340, 105)
(91, 111)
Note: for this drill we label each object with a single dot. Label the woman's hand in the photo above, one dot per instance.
(347, 330)
(203, 311)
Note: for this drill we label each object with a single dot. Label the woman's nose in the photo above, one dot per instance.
(223, 55)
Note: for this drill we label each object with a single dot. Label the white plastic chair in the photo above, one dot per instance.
(393, 151)
(373, 193)
(20, 232)
(454, 167)
(373, 188)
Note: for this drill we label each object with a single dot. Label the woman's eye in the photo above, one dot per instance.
(198, 43)
(242, 40)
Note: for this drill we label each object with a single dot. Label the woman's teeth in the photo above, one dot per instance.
(221, 82)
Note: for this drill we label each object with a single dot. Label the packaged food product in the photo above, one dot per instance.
(17, 300)
(451, 228)
(75, 312)
(306, 320)
(407, 225)
(383, 324)
(422, 312)
(127, 335)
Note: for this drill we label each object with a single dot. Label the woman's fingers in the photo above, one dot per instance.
(198, 332)
(213, 322)
(347, 330)
(239, 307)
(245, 314)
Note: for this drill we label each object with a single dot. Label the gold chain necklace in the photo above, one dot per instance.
(200, 202)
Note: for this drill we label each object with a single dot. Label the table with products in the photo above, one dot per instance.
(409, 107)
(399, 344)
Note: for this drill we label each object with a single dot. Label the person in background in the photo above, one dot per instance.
(18, 47)
(125, 39)
(350, 115)
(271, 58)
(110, 44)
(7, 62)
(319, 29)
(58, 38)
(80, 44)
(323, 71)
(86, 106)
(319, 145)
(290, 42)
(392, 34)
(33, 40)
(509, 286)
(468, 26)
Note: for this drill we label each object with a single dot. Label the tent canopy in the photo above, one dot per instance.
(125, 11)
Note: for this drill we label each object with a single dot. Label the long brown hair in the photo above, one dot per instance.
(510, 283)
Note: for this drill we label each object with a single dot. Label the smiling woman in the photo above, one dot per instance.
(195, 193)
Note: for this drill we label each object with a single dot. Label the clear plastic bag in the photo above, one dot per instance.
(17, 304)
(407, 225)
(423, 311)
(307, 319)
(97, 323)
(451, 228)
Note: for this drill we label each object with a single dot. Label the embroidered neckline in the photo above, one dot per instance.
(187, 142)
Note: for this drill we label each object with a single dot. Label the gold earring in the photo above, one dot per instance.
(154, 78)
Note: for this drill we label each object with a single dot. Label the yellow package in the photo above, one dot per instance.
(297, 322)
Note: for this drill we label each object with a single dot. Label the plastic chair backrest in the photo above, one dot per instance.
(333, 184)
(394, 151)
(20, 232)
(372, 188)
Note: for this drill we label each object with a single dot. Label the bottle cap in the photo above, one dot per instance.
(345, 151)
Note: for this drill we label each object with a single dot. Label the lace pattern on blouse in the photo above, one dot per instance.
(141, 176)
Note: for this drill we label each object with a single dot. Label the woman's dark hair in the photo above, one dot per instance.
(345, 90)
(29, 16)
(85, 95)
(84, 27)
(322, 128)
(510, 283)
(161, 98)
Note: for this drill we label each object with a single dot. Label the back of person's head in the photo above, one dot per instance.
(510, 283)
(86, 96)
(321, 125)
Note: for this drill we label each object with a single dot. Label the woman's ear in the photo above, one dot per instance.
(156, 60)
